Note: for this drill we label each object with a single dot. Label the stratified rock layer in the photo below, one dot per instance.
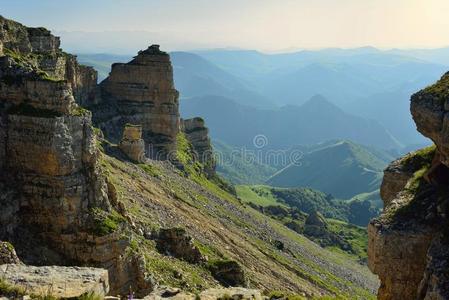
(50, 176)
(142, 92)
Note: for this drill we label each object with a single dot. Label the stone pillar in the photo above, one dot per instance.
(132, 143)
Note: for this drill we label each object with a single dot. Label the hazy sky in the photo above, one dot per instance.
(267, 25)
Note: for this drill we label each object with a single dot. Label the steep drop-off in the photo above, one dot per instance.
(408, 242)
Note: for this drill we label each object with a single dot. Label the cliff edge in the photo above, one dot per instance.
(408, 243)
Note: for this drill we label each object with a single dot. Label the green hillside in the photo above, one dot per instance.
(291, 207)
(343, 169)
(358, 210)
(239, 169)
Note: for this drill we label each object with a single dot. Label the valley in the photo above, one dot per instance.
(217, 173)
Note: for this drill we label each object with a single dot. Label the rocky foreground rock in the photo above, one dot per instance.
(408, 243)
(59, 282)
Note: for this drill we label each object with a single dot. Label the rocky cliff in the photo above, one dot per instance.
(50, 178)
(408, 242)
(198, 135)
(141, 92)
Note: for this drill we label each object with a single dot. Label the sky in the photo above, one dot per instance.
(122, 26)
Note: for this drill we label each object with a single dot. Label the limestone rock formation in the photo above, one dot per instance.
(395, 179)
(132, 143)
(142, 92)
(408, 243)
(59, 282)
(50, 174)
(198, 135)
(38, 48)
(58, 207)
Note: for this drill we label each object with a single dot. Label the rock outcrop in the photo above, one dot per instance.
(132, 143)
(176, 242)
(58, 282)
(198, 135)
(8, 254)
(142, 92)
(228, 273)
(408, 243)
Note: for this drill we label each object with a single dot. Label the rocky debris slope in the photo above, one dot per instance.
(408, 242)
(59, 282)
(210, 294)
(230, 236)
(141, 92)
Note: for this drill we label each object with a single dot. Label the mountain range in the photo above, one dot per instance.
(361, 81)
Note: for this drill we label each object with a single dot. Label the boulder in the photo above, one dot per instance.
(7, 254)
(176, 242)
(227, 272)
(60, 282)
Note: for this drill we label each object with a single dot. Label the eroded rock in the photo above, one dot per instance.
(198, 135)
(60, 282)
(176, 242)
(132, 143)
(228, 273)
(8, 254)
(408, 243)
(142, 92)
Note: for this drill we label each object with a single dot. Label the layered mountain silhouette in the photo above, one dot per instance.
(315, 121)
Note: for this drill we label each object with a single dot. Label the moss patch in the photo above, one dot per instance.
(106, 223)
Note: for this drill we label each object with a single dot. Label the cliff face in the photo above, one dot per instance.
(142, 92)
(408, 243)
(198, 135)
(50, 177)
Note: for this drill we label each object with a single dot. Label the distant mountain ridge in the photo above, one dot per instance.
(367, 82)
(315, 121)
(343, 169)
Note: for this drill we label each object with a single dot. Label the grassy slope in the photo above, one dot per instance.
(308, 200)
(223, 227)
(238, 169)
